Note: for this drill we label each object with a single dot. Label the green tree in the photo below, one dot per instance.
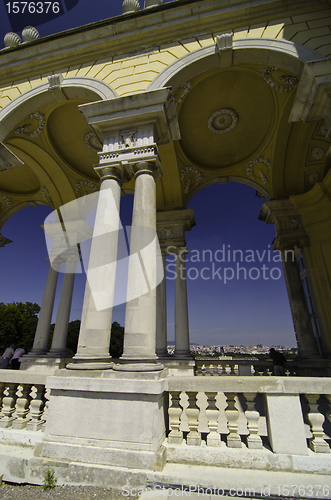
(18, 322)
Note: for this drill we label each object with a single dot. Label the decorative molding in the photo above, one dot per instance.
(92, 142)
(127, 138)
(250, 168)
(55, 81)
(222, 121)
(313, 178)
(47, 197)
(8, 201)
(295, 223)
(224, 41)
(318, 153)
(196, 172)
(83, 183)
(187, 86)
(41, 124)
(267, 77)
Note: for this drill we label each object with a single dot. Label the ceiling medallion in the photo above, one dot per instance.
(318, 153)
(222, 121)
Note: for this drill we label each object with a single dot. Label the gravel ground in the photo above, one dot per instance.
(28, 492)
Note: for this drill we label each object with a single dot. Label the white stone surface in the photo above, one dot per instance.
(286, 430)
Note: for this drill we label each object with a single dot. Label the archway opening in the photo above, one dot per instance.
(236, 289)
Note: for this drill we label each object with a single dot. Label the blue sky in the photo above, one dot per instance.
(234, 311)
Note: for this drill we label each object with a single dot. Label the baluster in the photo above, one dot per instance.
(198, 370)
(213, 369)
(36, 409)
(232, 415)
(232, 369)
(175, 436)
(22, 407)
(2, 388)
(192, 411)
(316, 420)
(212, 412)
(8, 406)
(252, 416)
(328, 414)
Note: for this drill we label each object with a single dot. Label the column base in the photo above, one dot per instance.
(91, 364)
(138, 367)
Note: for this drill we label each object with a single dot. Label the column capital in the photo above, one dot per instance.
(116, 172)
(131, 128)
(288, 223)
(171, 227)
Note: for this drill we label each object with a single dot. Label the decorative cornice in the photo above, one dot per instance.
(118, 35)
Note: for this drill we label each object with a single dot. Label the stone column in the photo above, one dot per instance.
(182, 335)
(140, 316)
(161, 315)
(59, 341)
(45, 315)
(290, 232)
(94, 336)
(307, 343)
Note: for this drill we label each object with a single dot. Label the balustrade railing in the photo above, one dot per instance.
(235, 412)
(246, 367)
(23, 400)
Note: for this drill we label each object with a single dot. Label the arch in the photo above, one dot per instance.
(16, 208)
(281, 53)
(225, 180)
(74, 87)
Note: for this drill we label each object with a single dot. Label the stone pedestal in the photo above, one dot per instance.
(114, 418)
(285, 424)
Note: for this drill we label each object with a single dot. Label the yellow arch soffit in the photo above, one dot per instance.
(284, 54)
(32, 100)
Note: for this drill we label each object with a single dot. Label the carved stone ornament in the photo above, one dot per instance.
(250, 168)
(83, 183)
(195, 171)
(47, 197)
(222, 121)
(127, 138)
(4, 241)
(313, 178)
(55, 81)
(92, 142)
(295, 224)
(41, 124)
(186, 90)
(224, 41)
(318, 153)
(266, 73)
(8, 201)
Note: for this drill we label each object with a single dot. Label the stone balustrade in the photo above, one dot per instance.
(246, 367)
(23, 400)
(281, 414)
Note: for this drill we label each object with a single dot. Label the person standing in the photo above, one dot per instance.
(6, 357)
(15, 363)
(279, 361)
